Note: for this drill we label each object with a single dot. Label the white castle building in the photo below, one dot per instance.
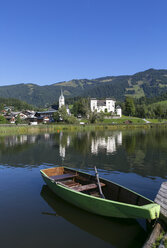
(107, 105)
(118, 111)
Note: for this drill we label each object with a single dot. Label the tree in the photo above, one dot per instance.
(71, 119)
(129, 106)
(141, 111)
(18, 120)
(93, 116)
(1, 106)
(2, 119)
(100, 116)
(81, 107)
(56, 116)
(63, 113)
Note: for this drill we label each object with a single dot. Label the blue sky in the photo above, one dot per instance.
(49, 41)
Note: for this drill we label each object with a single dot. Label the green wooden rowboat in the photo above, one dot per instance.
(81, 190)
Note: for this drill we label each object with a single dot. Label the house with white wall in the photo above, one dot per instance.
(106, 105)
(118, 111)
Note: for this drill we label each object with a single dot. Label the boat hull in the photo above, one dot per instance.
(101, 206)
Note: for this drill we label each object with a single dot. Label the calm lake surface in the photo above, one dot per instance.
(32, 216)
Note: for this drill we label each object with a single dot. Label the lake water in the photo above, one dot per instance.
(32, 216)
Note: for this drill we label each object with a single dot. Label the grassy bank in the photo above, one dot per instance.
(25, 129)
(123, 120)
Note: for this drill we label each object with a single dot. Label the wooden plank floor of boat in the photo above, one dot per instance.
(79, 187)
(86, 187)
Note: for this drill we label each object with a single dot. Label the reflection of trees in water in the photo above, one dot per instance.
(146, 151)
(81, 142)
(154, 138)
(129, 142)
(13, 144)
(28, 150)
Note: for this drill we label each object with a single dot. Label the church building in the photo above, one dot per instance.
(62, 103)
(61, 100)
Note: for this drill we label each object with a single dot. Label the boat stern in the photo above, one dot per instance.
(153, 210)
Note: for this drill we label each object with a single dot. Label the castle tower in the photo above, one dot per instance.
(61, 100)
(119, 111)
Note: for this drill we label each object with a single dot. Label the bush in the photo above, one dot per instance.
(71, 120)
(2, 119)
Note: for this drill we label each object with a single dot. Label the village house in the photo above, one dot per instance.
(10, 118)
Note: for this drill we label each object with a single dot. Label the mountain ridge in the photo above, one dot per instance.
(149, 83)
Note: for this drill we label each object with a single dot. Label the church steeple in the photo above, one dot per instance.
(61, 100)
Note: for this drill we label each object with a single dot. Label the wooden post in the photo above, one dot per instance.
(154, 235)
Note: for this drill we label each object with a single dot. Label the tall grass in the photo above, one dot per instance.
(20, 129)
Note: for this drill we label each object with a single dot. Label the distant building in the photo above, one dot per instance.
(61, 100)
(119, 111)
(41, 116)
(10, 118)
(62, 103)
(107, 105)
(33, 121)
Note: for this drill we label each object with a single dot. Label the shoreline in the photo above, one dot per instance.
(10, 129)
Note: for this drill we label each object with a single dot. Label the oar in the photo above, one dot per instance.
(98, 182)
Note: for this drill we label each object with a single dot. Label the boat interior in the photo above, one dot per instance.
(88, 184)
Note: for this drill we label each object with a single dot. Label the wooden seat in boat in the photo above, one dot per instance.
(63, 176)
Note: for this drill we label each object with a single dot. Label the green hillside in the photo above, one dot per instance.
(150, 83)
(17, 104)
(161, 103)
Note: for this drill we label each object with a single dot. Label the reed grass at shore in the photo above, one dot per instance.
(26, 129)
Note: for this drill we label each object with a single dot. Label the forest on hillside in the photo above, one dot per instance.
(150, 83)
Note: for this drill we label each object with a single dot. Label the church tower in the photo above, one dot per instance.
(61, 100)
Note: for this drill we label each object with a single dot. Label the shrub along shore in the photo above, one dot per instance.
(51, 128)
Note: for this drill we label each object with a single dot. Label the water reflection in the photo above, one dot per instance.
(92, 142)
(18, 140)
(135, 159)
(130, 233)
(108, 143)
(139, 151)
(64, 141)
